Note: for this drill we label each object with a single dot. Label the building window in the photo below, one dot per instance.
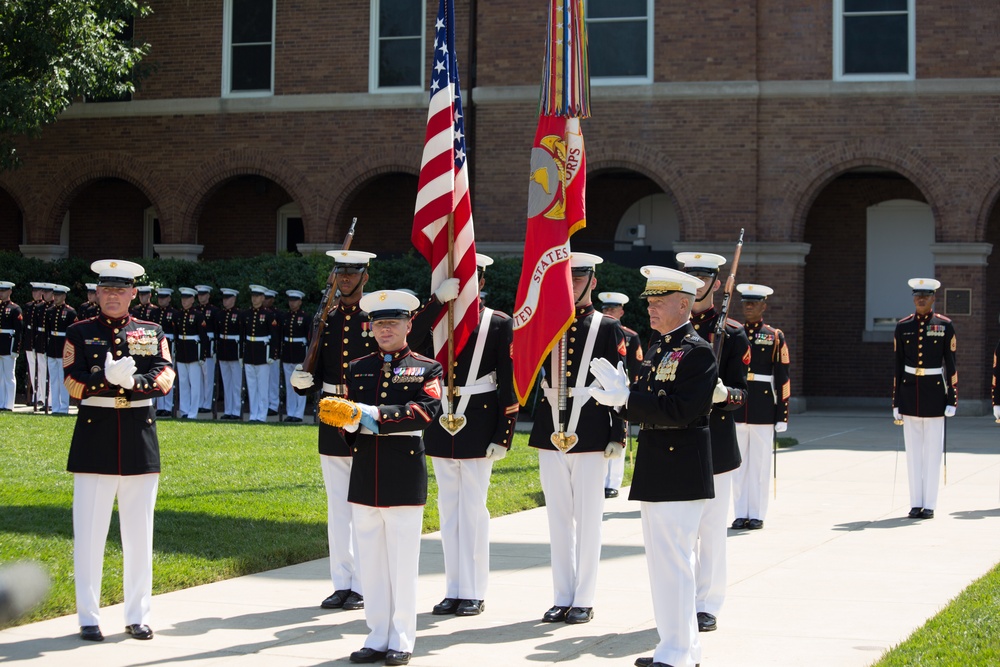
(874, 40)
(907, 227)
(620, 41)
(248, 47)
(397, 45)
(291, 231)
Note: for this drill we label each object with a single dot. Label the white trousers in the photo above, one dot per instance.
(340, 533)
(7, 384)
(389, 545)
(207, 383)
(465, 525)
(669, 532)
(274, 385)
(573, 485)
(167, 402)
(258, 381)
(924, 438)
(189, 379)
(232, 385)
(752, 480)
(38, 365)
(615, 472)
(57, 390)
(295, 405)
(710, 570)
(93, 499)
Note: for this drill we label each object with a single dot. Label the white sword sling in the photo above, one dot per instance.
(473, 383)
(566, 441)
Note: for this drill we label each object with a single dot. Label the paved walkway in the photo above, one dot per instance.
(835, 578)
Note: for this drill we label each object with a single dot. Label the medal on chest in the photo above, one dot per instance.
(666, 371)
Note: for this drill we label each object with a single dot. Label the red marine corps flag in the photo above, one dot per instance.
(442, 221)
(543, 310)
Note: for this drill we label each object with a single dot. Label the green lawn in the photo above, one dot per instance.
(234, 499)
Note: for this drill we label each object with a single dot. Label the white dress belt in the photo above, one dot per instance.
(923, 371)
(188, 337)
(367, 431)
(119, 403)
(259, 339)
(7, 331)
(478, 388)
(57, 333)
(340, 389)
(295, 340)
(229, 336)
(757, 377)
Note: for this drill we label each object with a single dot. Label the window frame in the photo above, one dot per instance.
(289, 210)
(227, 52)
(625, 80)
(373, 53)
(839, 52)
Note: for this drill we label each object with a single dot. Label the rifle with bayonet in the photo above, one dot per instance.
(326, 305)
(727, 295)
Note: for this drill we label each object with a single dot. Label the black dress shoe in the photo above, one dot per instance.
(610, 493)
(556, 614)
(580, 615)
(335, 601)
(643, 662)
(139, 631)
(203, 411)
(446, 606)
(272, 413)
(927, 514)
(706, 622)
(292, 420)
(91, 633)
(397, 658)
(915, 512)
(471, 608)
(354, 602)
(754, 524)
(367, 655)
(740, 524)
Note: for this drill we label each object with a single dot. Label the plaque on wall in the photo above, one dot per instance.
(957, 302)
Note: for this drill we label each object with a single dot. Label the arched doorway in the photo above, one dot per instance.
(239, 217)
(384, 207)
(105, 218)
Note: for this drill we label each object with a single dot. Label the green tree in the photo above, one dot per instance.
(53, 52)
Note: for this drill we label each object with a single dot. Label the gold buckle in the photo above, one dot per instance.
(749, 377)
(919, 372)
(121, 402)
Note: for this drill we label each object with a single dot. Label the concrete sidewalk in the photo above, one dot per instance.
(836, 577)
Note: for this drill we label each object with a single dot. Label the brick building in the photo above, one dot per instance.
(856, 142)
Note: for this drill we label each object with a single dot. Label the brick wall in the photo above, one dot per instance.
(105, 220)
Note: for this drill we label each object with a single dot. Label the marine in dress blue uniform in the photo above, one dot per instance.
(399, 393)
(166, 316)
(58, 318)
(573, 447)
(613, 305)
(191, 348)
(33, 313)
(11, 327)
(296, 330)
(673, 468)
(260, 351)
(115, 365)
(766, 409)
(274, 377)
(924, 392)
(729, 396)
(229, 349)
(463, 451)
(144, 310)
(211, 314)
(89, 308)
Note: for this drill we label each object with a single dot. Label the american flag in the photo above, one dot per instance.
(444, 190)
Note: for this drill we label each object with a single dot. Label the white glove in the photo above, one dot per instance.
(614, 450)
(351, 428)
(613, 382)
(781, 427)
(119, 372)
(949, 411)
(300, 379)
(369, 417)
(896, 416)
(270, 360)
(13, 356)
(496, 452)
(720, 394)
(201, 361)
(996, 411)
(447, 290)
